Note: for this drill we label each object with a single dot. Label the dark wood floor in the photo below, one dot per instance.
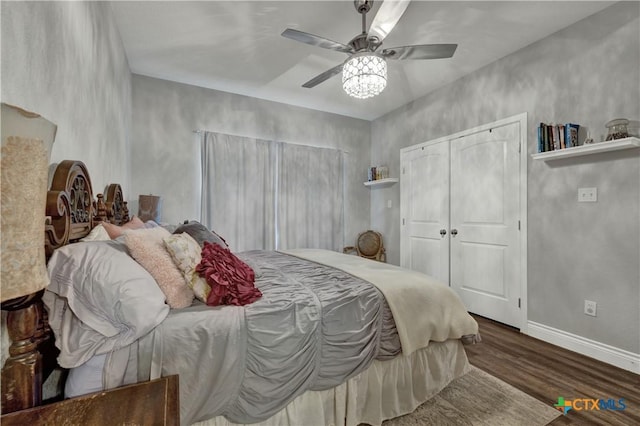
(547, 372)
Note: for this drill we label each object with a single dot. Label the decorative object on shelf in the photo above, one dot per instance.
(150, 208)
(383, 172)
(377, 173)
(26, 145)
(589, 139)
(617, 129)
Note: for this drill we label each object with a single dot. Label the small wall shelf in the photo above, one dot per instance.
(381, 182)
(615, 145)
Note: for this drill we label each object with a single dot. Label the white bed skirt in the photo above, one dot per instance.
(387, 389)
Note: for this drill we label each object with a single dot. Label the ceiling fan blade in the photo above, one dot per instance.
(322, 77)
(420, 51)
(387, 17)
(315, 40)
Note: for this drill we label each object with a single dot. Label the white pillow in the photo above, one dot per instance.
(97, 234)
(99, 299)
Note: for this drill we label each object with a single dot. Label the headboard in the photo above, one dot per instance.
(71, 213)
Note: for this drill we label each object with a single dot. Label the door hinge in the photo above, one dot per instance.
(519, 302)
(403, 220)
(518, 225)
(403, 170)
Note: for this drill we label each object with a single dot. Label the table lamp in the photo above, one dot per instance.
(27, 139)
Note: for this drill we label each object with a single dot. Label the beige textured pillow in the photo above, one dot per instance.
(185, 251)
(147, 248)
(115, 231)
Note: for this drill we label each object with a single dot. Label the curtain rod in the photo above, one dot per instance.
(198, 131)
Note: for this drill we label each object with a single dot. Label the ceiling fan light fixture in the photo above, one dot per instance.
(364, 75)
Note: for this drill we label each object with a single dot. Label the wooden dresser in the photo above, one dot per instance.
(150, 403)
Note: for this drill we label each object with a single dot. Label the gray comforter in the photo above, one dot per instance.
(313, 328)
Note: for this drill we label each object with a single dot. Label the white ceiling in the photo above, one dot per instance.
(236, 46)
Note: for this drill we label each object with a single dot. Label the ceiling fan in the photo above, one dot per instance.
(364, 73)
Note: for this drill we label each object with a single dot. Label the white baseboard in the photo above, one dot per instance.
(602, 352)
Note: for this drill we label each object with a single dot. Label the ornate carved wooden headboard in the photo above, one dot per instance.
(71, 213)
(71, 209)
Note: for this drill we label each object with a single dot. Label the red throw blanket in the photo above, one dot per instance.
(231, 280)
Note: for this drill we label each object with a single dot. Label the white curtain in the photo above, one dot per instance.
(269, 195)
(238, 182)
(310, 210)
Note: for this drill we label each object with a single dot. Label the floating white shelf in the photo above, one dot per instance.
(614, 145)
(381, 182)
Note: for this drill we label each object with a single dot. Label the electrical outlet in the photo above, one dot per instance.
(587, 195)
(590, 308)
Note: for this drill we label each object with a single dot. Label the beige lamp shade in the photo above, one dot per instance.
(150, 208)
(27, 139)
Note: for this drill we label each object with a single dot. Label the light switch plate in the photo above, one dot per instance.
(587, 195)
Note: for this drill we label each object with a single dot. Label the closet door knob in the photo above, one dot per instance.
(443, 232)
(454, 232)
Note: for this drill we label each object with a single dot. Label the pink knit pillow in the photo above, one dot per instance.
(147, 248)
(115, 231)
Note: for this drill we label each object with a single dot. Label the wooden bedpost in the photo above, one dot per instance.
(101, 210)
(125, 217)
(22, 372)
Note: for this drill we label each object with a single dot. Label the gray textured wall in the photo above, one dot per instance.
(587, 73)
(165, 151)
(66, 61)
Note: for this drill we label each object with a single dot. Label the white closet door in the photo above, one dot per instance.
(425, 210)
(485, 197)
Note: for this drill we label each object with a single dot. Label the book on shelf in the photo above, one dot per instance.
(555, 134)
(552, 137)
(540, 139)
(571, 134)
(544, 138)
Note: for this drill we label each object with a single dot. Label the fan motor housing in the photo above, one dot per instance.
(359, 43)
(363, 6)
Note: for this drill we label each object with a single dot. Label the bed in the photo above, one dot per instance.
(329, 338)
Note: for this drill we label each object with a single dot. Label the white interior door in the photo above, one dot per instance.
(424, 208)
(485, 214)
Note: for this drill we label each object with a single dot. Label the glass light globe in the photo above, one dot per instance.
(364, 75)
